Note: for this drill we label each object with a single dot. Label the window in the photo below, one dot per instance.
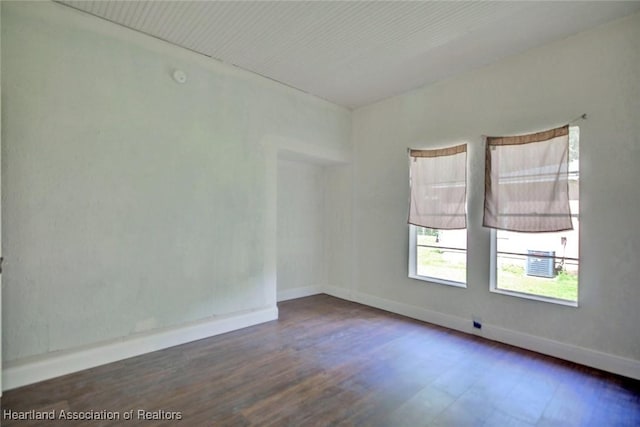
(438, 256)
(541, 265)
(437, 215)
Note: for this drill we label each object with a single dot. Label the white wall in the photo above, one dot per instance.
(302, 260)
(595, 72)
(339, 237)
(132, 203)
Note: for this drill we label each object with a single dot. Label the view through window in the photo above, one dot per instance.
(441, 255)
(542, 265)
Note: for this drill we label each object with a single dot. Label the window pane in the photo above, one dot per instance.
(442, 254)
(543, 264)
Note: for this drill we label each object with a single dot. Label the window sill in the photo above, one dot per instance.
(536, 297)
(438, 281)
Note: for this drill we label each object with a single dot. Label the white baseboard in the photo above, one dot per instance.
(62, 363)
(287, 294)
(415, 312)
(337, 292)
(584, 356)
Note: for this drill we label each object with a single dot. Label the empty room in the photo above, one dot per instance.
(319, 213)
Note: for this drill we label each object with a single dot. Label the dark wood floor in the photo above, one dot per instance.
(328, 362)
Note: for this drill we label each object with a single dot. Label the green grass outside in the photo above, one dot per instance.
(433, 263)
(563, 286)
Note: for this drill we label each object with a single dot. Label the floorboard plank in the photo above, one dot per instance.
(329, 362)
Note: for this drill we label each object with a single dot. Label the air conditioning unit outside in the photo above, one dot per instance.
(541, 263)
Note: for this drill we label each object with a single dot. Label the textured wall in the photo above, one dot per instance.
(301, 225)
(131, 202)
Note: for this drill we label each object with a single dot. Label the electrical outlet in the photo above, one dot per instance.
(477, 322)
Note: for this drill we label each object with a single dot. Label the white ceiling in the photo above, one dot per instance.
(354, 53)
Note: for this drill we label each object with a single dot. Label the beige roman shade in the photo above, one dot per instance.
(526, 182)
(438, 187)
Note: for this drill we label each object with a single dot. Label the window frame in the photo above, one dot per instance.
(413, 262)
(493, 263)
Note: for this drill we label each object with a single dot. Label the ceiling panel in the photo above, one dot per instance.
(354, 53)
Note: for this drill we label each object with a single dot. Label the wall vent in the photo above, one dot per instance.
(541, 263)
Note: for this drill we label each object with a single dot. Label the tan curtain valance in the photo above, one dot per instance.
(526, 182)
(438, 187)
